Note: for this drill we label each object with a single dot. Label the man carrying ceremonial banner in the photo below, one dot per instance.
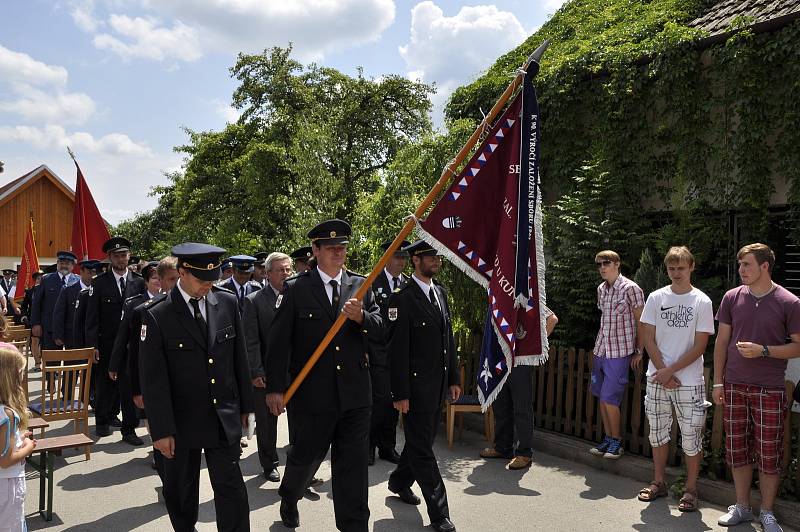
(489, 224)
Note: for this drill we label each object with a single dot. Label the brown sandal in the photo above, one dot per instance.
(649, 494)
(688, 502)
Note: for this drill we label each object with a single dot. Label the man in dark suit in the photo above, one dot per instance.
(260, 272)
(103, 312)
(64, 310)
(196, 389)
(118, 365)
(331, 408)
(44, 298)
(422, 353)
(384, 416)
(240, 283)
(259, 310)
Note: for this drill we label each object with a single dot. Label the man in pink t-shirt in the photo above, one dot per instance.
(750, 358)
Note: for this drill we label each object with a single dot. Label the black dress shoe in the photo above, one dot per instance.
(390, 456)
(371, 459)
(289, 514)
(115, 422)
(443, 525)
(272, 475)
(407, 496)
(314, 482)
(102, 430)
(132, 439)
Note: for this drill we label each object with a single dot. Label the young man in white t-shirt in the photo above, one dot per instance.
(676, 323)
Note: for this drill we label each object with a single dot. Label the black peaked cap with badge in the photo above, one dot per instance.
(66, 255)
(243, 263)
(401, 250)
(149, 268)
(116, 243)
(420, 248)
(201, 260)
(302, 254)
(331, 232)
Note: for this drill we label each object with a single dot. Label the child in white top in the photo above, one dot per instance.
(15, 443)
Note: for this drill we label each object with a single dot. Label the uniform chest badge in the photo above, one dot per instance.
(278, 301)
(392, 314)
(380, 289)
(91, 291)
(384, 296)
(143, 334)
(77, 303)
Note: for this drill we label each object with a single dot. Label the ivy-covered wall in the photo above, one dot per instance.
(651, 140)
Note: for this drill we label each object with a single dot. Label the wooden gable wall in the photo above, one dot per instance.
(52, 218)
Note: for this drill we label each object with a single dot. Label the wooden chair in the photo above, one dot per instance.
(66, 381)
(16, 335)
(467, 403)
(15, 328)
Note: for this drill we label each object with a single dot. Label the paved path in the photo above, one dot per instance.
(115, 491)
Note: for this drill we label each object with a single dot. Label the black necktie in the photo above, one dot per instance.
(334, 295)
(396, 282)
(198, 316)
(64, 281)
(122, 286)
(241, 296)
(434, 302)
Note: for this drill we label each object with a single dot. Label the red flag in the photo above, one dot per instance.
(89, 231)
(30, 265)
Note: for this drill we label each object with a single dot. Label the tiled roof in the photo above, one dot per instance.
(718, 18)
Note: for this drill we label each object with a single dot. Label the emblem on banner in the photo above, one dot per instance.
(521, 332)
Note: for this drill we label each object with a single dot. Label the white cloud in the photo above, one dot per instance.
(146, 38)
(52, 136)
(83, 15)
(16, 67)
(59, 107)
(226, 111)
(551, 6)
(315, 27)
(451, 50)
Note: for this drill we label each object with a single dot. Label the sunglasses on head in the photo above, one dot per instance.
(602, 263)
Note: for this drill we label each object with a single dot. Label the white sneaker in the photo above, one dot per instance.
(768, 522)
(736, 514)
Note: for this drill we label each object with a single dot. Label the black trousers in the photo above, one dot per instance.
(418, 463)
(513, 412)
(382, 432)
(266, 431)
(346, 434)
(106, 392)
(182, 488)
(130, 416)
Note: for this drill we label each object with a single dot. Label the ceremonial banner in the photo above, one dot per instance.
(89, 231)
(489, 224)
(29, 265)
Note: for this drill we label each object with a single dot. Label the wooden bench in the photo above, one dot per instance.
(47, 448)
(37, 423)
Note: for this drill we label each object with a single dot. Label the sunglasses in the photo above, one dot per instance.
(602, 263)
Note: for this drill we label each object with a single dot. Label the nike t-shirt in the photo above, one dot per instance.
(677, 317)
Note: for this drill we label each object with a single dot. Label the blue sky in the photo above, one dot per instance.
(118, 79)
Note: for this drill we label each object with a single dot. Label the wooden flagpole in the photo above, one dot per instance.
(450, 170)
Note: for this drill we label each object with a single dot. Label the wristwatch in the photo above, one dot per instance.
(765, 352)
(637, 351)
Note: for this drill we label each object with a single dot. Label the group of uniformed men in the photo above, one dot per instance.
(197, 343)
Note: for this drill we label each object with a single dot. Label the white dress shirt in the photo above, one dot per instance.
(187, 297)
(326, 279)
(426, 289)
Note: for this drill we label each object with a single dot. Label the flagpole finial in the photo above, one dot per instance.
(72, 155)
(537, 54)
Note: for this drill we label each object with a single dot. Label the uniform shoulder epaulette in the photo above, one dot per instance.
(132, 298)
(354, 274)
(137, 274)
(254, 284)
(157, 299)
(220, 288)
(297, 276)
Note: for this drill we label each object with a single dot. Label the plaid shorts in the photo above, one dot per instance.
(753, 419)
(690, 406)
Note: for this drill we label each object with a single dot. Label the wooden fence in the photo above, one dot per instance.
(563, 404)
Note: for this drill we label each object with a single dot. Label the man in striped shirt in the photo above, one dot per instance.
(616, 348)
